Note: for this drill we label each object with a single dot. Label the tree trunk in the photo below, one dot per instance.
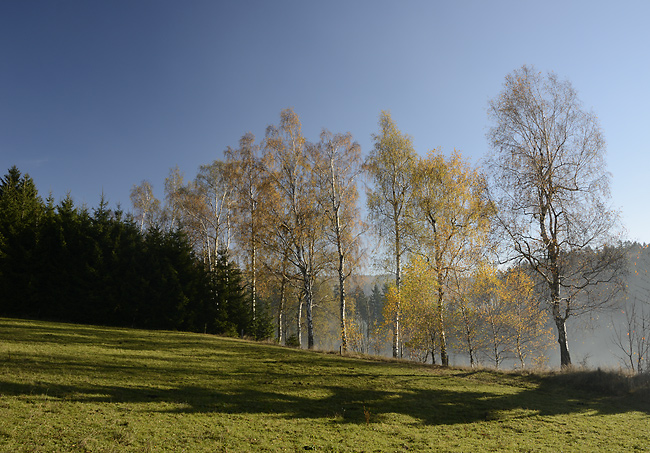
(560, 320)
(281, 310)
(444, 359)
(309, 299)
(433, 348)
(344, 333)
(396, 319)
(520, 352)
(367, 351)
(565, 357)
(253, 238)
(253, 280)
(470, 350)
(299, 322)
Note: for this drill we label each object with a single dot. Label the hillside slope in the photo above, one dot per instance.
(80, 388)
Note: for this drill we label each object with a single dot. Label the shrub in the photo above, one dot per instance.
(292, 341)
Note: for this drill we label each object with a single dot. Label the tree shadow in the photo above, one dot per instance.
(242, 379)
(344, 404)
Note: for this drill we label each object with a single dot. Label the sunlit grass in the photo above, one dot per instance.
(79, 388)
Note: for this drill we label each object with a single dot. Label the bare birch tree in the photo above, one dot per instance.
(205, 206)
(145, 203)
(632, 337)
(248, 183)
(631, 333)
(550, 183)
(172, 210)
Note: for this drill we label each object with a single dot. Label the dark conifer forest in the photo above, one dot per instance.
(67, 263)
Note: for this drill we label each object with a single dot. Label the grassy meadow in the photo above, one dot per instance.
(76, 388)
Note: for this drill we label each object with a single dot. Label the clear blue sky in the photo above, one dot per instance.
(96, 96)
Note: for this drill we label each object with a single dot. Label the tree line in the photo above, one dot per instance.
(502, 247)
(536, 215)
(482, 258)
(287, 211)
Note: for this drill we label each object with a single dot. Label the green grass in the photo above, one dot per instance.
(67, 387)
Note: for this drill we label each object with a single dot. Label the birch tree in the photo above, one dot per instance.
(205, 205)
(214, 184)
(495, 316)
(336, 161)
(550, 183)
(390, 167)
(530, 336)
(632, 337)
(297, 225)
(172, 214)
(468, 322)
(248, 183)
(454, 218)
(145, 204)
(417, 303)
(631, 331)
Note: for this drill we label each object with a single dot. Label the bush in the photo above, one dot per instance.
(261, 328)
(292, 341)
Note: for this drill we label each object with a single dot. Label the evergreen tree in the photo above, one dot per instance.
(231, 313)
(20, 210)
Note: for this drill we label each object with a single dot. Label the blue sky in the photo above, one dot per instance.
(96, 96)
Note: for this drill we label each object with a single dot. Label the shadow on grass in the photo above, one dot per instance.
(234, 377)
(347, 405)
